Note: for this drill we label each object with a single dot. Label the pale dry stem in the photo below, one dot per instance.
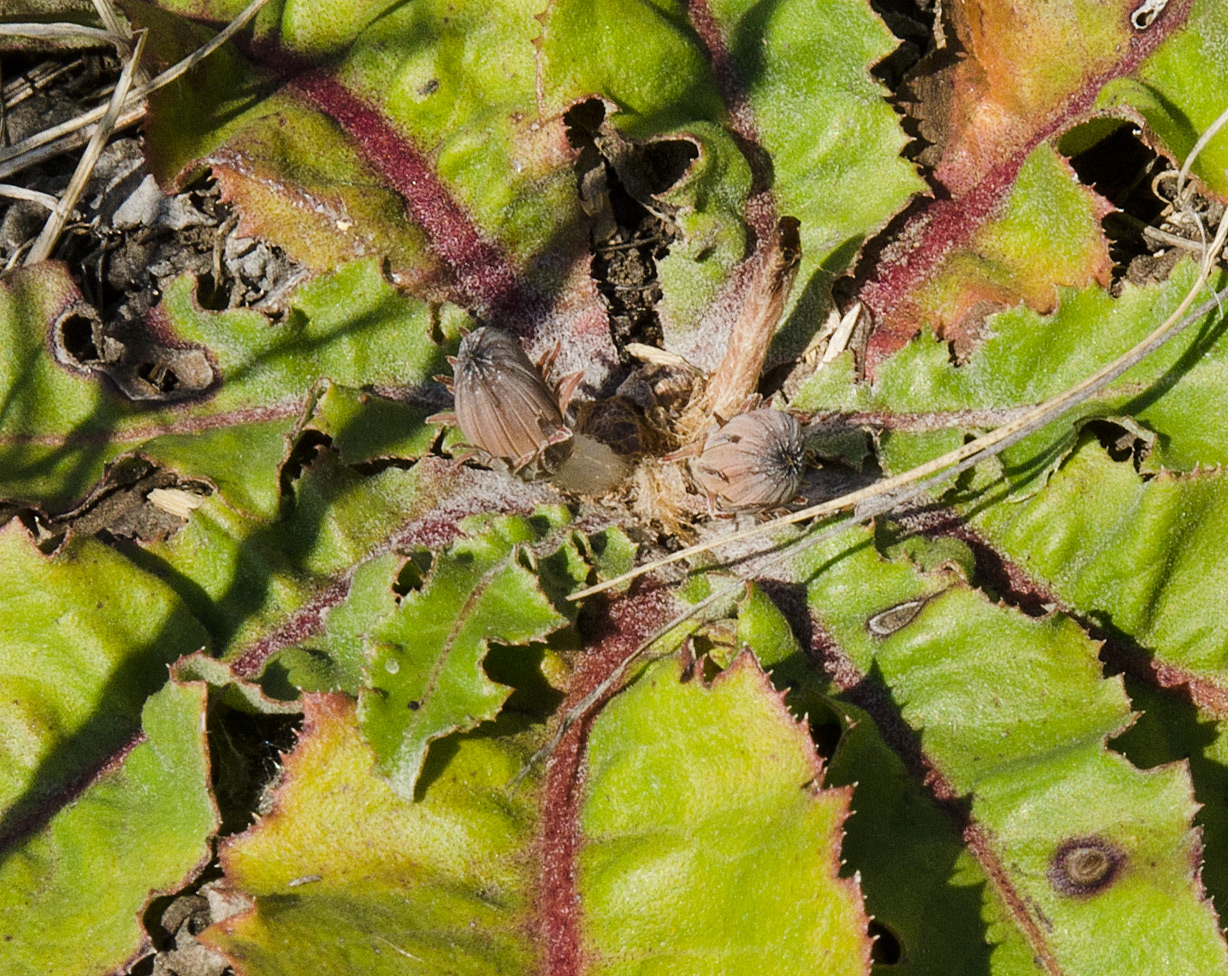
(58, 217)
(736, 379)
(55, 32)
(68, 135)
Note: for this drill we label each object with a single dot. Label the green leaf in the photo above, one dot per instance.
(437, 163)
(921, 883)
(87, 637)
(259, 586)
(442, 883)
(1012, 713)
(425, 678)
(1026, 358)
(1179, 91)
(413, 119)
(73, 889)
(987, 114)
(1141, 556)
(1000, 265)
(1134, 551)
(698, 803)
(746, 82)
(454, 882)
(332, 659)
(60, 423)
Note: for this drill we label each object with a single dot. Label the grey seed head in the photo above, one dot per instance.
(754, 461)
(503, 405)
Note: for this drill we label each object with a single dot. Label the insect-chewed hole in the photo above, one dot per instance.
(160, 376)
(619, 182)
(1085, 865)
(310, 445)
(1109, 156)
(413, 572)
(76, 335)
(211, 294)
(886, 950)
(665, 162)
(1120, 442)
(582, 120)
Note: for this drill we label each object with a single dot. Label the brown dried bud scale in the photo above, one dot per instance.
(503, 405)
(756, 460)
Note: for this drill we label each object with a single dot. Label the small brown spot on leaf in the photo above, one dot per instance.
(1085, 865)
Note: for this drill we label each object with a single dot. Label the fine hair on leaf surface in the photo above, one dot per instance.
(607, 487)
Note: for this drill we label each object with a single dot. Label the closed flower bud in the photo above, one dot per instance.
(503, 405)
(754, 461)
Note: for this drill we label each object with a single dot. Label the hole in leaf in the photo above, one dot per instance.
(1122, 442)
(583, 119)
(1085, 865)
(414, 572)
(77, 338)
(521, 668)
(160, 376)
(886, 950)
(134, 500)
(1108, 155)
(310, 446)
(618, 183)
(1147, 233)
(665, 162)
(166, 913)
(210, 295)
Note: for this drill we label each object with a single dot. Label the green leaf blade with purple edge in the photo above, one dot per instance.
(1012, 713)
(443, 883)
(458, 881)
(141, 827)
(1082, 526)
(260, 587)
(705, 832)
(747, 85)
(349, 327)
(429, 156)
(87, 639)
(425, 677)
(1020, 85)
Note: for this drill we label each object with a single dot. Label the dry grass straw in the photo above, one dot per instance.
(58, 217)
(75, 132)
(59, 32)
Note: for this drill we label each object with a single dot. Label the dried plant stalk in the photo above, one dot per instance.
(59, 216)
(60, 138)
(735, 380)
